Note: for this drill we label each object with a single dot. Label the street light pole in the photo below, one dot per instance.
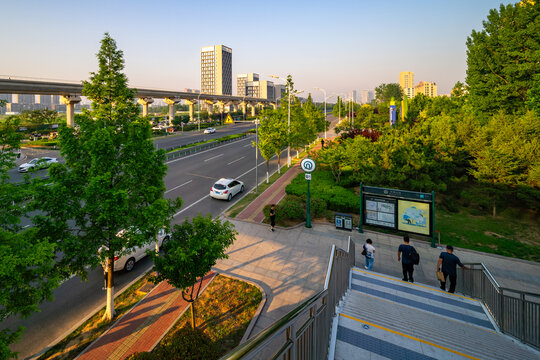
(324, 91)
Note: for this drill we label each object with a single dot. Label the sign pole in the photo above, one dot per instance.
(308, 210)
(360, 230)
(433, 219)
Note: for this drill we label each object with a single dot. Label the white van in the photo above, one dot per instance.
(127, 261)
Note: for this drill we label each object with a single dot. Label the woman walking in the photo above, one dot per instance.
(370, 254)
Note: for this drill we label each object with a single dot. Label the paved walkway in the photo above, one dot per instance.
(143, 326)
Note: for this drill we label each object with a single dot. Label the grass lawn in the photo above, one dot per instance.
(222, 314)
(511, 236)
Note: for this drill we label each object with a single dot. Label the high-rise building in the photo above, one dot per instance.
(216, 70)
(406, 82)
(241, 80)
(366, 96)
(352, 95)
(260, 89)
(427, 88)
(279, 90)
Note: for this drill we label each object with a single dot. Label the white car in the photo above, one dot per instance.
(225, 189)
(127, 261)
(37, 163)
(209, 130)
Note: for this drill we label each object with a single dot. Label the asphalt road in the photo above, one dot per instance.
(189, 177)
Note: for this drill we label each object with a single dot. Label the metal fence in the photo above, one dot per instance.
(195, 149)
(517, 313)
(304, 333)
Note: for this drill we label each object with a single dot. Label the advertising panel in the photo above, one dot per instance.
(414, 217)
(380, 211)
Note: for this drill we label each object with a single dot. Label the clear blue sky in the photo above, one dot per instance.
(336, 45)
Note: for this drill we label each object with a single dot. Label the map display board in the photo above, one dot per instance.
(414, 217)
(380, 211)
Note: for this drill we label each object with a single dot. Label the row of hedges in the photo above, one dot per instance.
(293, 207)
(323, 187)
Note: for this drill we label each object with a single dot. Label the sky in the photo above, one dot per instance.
(335, 45)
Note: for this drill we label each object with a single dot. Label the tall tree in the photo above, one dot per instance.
(385, 92)
(503, 58)
(273, 132)
(27, 266)
(38, 117)
(112, 179)
(191, 252)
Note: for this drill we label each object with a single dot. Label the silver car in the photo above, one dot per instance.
(37, 163)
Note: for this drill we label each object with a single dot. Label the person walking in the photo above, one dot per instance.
(370, 254)
(404, 255)
(448, 261)
(272, 217)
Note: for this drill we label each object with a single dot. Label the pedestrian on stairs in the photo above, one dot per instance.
(449, 261)
(404, 255)
(370, 254)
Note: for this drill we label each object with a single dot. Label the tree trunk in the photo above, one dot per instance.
(192, 315)
(157, 247)
(494, 209)
(109, 310)
(278, 163)
(267, 170)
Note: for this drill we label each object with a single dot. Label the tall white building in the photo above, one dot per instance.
(352, 95)
(216, 70)
(366, 96)
(241, 80)
(260, 89)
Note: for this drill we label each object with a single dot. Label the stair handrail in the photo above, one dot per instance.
(516, 312)
(288, 323)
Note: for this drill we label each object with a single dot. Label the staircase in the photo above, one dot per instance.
(383, 317)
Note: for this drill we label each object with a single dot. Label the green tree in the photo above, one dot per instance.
(333, 156)
(533, 95)
(39, 117)
(315, 117)
(385, 92)
(191, 252)
(112, 179)
(503, 58)
(27, 266)
(273, 134)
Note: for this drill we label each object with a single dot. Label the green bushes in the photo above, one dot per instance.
(323, 187)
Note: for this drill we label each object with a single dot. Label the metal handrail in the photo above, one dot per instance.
(516, 312)
(313, 335)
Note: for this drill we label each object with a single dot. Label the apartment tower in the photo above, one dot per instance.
(216, 70)
(241, 80)
(406, 82)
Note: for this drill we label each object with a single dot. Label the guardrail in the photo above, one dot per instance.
(517, 313)
(194, 149)
(304, 333)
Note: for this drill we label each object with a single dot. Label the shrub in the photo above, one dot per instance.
(318, 207)
(291, 209)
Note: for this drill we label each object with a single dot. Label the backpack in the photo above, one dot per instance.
(414, 256)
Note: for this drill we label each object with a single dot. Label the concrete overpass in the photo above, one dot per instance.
(71, 94)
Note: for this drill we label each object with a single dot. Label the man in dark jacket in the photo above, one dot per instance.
(449, 261)
(404, 252)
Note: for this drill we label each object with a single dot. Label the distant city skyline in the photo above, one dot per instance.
(340, 46)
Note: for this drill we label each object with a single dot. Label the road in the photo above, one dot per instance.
(191, 178)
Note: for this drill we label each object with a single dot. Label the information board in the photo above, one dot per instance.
(380, 211)
(413, 217)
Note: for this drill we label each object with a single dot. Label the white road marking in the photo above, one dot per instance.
(213, 157)
(202, 152)
(187, 207)
(248, 145)
(176, 187)
(232, 162)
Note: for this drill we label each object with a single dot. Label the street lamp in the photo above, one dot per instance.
(325, 98)
(288, 119)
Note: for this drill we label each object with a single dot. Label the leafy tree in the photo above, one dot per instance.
(503, 58)
(38, 117)
(339, 109)
(273, 132)
(533, 95)
(315, 118)
(108, 196)
(334, 156)
(27, 266)
(385, 92)
(191, 252)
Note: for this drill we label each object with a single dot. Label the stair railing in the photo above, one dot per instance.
(304, 333)
(516, 313)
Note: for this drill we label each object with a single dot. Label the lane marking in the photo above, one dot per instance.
(213, 157)
(410, 337)
(248, 145)
(202, 176)
(422, 286)
(232, 162)
(195, 203)
(176, 187)
(205, 151)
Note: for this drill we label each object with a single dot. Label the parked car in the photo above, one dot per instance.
(209, 130)
(37, 163)
(127, 261)
(225, 189)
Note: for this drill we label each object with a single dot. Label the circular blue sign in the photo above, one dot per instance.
(308, 165)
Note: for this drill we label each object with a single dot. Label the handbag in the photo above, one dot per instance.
(364, 252)
(440, 276)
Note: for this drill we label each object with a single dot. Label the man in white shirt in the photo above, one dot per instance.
(370, 254)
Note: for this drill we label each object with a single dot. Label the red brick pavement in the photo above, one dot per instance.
(143, 326)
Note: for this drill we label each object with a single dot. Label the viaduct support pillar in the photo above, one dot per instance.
(253, 109)
(144, 102)
(70, 101)
(171, 102)
(191, 109)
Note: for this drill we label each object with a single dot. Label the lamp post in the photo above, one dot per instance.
(325, 98)
(288, 119)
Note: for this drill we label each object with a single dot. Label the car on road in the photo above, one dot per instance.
(226, 189)
(209, 131)
(37, 163)
(127, 261)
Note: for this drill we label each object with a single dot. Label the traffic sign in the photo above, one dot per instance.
(308, 176)
(308, 165)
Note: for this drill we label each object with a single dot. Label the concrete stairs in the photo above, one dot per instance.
(383, 317)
